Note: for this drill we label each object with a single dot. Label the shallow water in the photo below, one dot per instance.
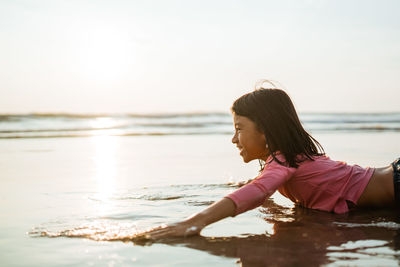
(79, 201)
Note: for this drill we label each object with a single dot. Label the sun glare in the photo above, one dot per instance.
(104, 127)
(102, 123)
(105, 165)
(105, 55)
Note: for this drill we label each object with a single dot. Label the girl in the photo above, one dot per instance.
(267, 128)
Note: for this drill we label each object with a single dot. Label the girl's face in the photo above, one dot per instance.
(248, 139)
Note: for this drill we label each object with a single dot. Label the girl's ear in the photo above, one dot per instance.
(265, 140)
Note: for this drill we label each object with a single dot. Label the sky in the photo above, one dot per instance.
(155, 56)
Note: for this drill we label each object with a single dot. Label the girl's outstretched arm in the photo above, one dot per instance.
(195, 223)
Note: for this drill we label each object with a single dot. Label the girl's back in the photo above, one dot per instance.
(320, 183)
(326, 184)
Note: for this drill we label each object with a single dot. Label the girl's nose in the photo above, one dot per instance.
(234, 139)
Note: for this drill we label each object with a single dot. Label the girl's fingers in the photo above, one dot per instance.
(158, 236)
(159, 233)
(155, 233)
(152, 230)
(168, 231)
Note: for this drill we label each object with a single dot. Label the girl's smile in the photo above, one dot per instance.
(248, 139)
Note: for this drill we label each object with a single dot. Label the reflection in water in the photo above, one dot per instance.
(306, 237)
(294, 236)
(105, 127)
(102, 123)
(301, 237)
(105, 168)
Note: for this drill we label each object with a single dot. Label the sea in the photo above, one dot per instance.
(76, 188)
(43, 125)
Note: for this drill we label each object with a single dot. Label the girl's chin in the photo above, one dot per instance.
(246, 160)
(244, 157)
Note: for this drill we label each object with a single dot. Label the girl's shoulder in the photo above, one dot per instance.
(280, 160)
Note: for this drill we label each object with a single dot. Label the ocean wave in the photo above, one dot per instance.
(351, 121)
(58, 125)
(376, 128)
(94, 134)
(183, 124)
(199, 203)
(109, 134)
(157, 193)
(154, 197)
(128, 115)
(57, 130)
(202, 186)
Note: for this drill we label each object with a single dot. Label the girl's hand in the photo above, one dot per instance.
(180, 229)
(192, 225)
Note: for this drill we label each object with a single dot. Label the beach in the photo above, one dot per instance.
(116, 119)
(79, 200)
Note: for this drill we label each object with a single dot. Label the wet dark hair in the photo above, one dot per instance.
(274, 114)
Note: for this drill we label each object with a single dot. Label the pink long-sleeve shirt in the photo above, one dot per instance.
(322, 184)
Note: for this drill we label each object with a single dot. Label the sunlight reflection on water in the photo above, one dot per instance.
(105, 167)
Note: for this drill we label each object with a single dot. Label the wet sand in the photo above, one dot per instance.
(107, 188)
